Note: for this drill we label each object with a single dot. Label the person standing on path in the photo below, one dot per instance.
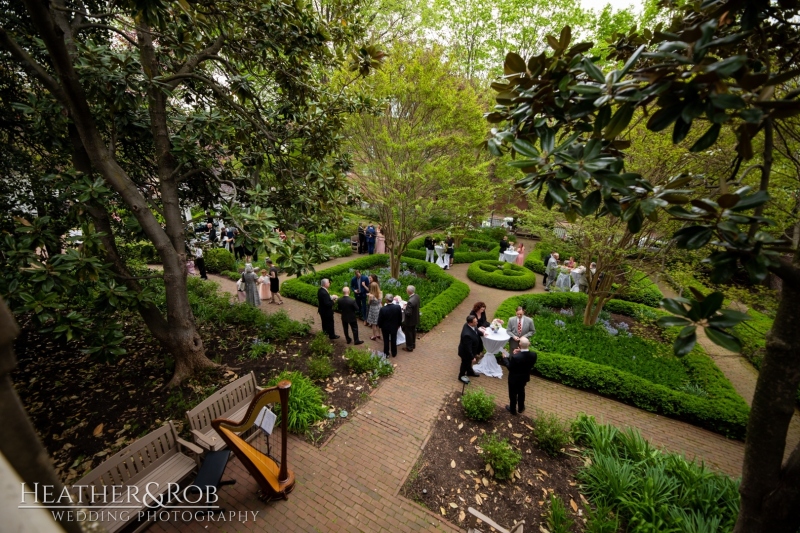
(349, 311)
(359, 286)
(552, 270)
(519, 364)
(430, 256)
(390, 318)
(411, 318)
(519, 327)
(504, 244)
(371, 234)
(325, 309)
(450, 251)
(251, 286)
(521, 256)
(263, 286)
(375, 296)
(199, 262)
(470, 346)
(362, 238)
(274, 284)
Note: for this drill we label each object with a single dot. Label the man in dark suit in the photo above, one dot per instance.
(390, 318)
(470, 346)
(519, 364)
(362, 238)
(371, 235)
(358, 290)
(325, 309)
(544, 276)
(411, 318)
(349, 311)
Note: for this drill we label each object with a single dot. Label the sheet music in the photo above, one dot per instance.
(266, 420)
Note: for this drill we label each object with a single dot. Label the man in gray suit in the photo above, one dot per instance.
(411, 318)
(519, 327)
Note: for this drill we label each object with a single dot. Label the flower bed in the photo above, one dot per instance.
(439, 292)
(611, 360)
(468, 251)
(501, 275)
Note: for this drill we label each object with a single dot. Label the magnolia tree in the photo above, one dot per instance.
(720, 62)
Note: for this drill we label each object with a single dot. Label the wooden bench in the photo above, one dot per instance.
(231, 402)
(149, 464)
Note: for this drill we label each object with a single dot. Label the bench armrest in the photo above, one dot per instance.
(205, 441)
(190, 446)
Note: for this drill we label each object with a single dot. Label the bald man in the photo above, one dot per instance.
(520, 365)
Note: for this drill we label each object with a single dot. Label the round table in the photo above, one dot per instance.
(440, 256)
(510, 257)
(493, 343)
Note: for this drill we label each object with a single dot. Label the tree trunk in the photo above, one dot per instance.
(771, 492)
(598, 294)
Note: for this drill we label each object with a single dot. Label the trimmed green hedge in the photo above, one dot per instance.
(305, 287)
(219, 260)
(534, 263)
(722, 410)
(501, 275)
(640, 289)
(416, 249)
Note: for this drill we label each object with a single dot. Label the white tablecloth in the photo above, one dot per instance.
(401, 337)
(440, 256)
(510, 257)
(493, 343)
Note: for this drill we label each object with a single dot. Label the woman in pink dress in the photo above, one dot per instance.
(521, 257)
(380, 242)
(263, 286)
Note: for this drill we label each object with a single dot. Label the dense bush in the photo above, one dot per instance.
(219, 260)
(633, 370)
(320, 367)
(141, 251)
(640, 289)
(478, 405)
(468, 251)
(501, 275)
(452, 292)
(550, 432)
(500, 455)
(362, 361)
(305, 401)
(651, 490)
(535, 263)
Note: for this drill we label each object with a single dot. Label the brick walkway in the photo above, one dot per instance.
(352, 483)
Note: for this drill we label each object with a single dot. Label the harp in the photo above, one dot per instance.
(275, 481)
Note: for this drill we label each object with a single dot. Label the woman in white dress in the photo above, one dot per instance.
(563, 282)
(577, 278)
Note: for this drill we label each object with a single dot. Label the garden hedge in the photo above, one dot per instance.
(534, 263)
(722, 411)
(416, 250)
(219, 260)
(640, 289)
(305, 287)
(501, 275)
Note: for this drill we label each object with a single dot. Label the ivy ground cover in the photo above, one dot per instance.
(439, 292)
(612, 359)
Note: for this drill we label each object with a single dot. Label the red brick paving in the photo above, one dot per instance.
(352, 482)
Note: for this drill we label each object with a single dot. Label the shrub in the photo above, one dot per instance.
(501, 275)
(499, 454)
(140, 251)
(320, 367)
(452, 291)
(534, 263)
(321, 346)
(362, 361)
(219, 260)
(657, 389)
(260, 349)
(470, 249)
(280, 326)
(650, 490)
(558, 517)
(305, 401)
(478, 405)
(550, 432)
(640, 289)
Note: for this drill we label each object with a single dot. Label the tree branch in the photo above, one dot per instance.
(33, 68)
(109, 28)
(788, 272)
(191, 63)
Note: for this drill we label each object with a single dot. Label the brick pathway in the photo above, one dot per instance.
(352, 482)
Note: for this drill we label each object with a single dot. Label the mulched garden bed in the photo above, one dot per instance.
(85, 410)
(449, 490)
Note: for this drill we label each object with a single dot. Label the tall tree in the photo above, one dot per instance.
(155, 107)
(418, 156)
(719, 62)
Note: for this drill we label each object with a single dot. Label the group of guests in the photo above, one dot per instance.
(385, 314)
(449, 245)
(566, 276)
(253, 289)
(370, 239)
(520, 361)
(507, 246)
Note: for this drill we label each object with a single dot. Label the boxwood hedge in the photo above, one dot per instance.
(501, 275)
(640, 289)
(305, 287)
(416, 249)
(534, 263)
(722, 410)
(219, 260)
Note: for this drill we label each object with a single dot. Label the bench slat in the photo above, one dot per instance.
(229, 402)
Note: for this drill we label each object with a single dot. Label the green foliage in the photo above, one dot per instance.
(321, 346)
(139, 251)
(592, 359)
(260, 349)
(501, 275)
(320, 367)
(550, 432)
(470, 250)
(478, 405)
(500, 455)
(219, 260)
(557, 516)
(305, 401)
(534, 263)
(648, 489)
(362, 361)
(601, 520)
(640, 289)
(453, 292)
